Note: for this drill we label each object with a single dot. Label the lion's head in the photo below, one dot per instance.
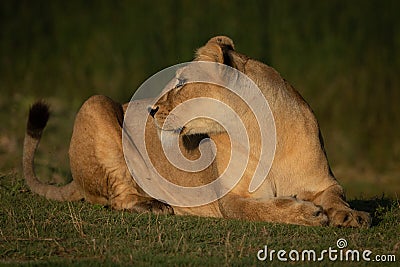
(200, 97)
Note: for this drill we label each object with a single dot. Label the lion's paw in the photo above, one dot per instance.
(312, 215)
(349, 218)
(154, 206)
(158, 207)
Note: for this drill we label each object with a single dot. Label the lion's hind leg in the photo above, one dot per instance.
(278, 209)
(98, 163)
(124, 194)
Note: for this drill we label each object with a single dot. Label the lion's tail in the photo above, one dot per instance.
(37, 120)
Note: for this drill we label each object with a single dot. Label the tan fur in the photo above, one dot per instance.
(99, 171)
(300, 188)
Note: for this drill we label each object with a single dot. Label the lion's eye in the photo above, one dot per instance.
(181, 82)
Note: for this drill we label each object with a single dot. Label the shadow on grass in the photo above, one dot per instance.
(376, 207)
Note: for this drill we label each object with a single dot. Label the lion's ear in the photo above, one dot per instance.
(216, 50)
(224, 42)
(210, 52)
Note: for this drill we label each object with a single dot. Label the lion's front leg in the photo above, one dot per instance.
(339, 212)
(278, 209)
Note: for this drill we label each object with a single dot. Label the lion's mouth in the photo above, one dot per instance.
(179, 130)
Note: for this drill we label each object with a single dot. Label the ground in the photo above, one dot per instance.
(34, 230)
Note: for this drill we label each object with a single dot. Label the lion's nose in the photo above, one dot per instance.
(153, 111)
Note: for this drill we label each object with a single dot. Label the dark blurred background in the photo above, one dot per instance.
(343, 57)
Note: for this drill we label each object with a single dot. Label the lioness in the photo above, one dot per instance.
(299, 189)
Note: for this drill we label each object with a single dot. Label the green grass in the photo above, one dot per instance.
(34, 231)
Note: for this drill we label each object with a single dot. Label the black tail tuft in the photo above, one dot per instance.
(37, 120)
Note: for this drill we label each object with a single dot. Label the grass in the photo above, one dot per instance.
(35, 231)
